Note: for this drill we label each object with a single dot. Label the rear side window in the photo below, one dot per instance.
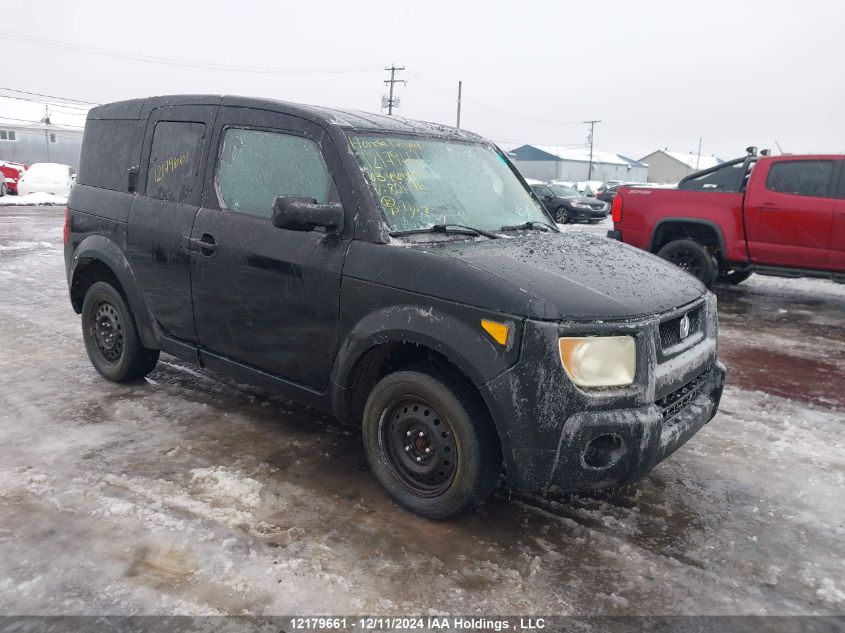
(108, 146)
(801, 177)
(727, 179)
(175, 159)
(256, 167)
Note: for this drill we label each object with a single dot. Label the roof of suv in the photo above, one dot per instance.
(327, 117)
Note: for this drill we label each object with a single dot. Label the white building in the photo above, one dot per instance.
(572, 164)
(39, 143)
(26, 138)
(667, 167)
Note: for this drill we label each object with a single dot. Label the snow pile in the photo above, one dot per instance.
(219, 485)
(33, 199)
(25, 246)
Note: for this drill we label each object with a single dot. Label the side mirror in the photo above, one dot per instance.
(297, 213)
(132, 178)
(548, 196)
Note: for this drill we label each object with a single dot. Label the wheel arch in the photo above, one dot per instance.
(98, 258)
(669, 229)
(392, 338)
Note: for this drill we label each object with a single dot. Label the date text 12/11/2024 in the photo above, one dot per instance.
(419, 623)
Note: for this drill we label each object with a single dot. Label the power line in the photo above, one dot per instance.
(52, 125)
(168, 61)
(68, 108)
(439, 88)
(38, 94)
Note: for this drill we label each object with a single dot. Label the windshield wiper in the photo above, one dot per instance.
(460, 229)
(531, 224)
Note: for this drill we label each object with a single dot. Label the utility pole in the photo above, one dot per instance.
(592, 125)
(698, 156)
(390, 100)
(460, 84)
(46, 122)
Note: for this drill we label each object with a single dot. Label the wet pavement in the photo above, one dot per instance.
(187, 493)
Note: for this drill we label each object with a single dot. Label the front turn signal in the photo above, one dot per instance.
(499, 332)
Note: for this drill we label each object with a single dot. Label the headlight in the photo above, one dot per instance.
(599, 361)
(580, 205)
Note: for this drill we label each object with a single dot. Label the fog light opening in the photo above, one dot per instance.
(604, 451)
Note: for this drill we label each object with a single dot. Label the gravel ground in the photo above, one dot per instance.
(190, 494)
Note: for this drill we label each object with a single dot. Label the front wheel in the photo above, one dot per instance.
(561, 216)
(111, 338)
(692, 257)
(430, 445)
(2, 190)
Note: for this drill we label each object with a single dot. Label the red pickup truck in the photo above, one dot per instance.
(781, 216)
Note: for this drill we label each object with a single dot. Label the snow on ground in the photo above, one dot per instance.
(32, 199)
(599, 228)
(190, 494)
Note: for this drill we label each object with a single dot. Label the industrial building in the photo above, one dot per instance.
(572, 164)
(29, 143)
(667, 167)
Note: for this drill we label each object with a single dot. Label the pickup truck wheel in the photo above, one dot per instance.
(734, 276)
(432, 448)
(692, 257)
(111, 338)
(561, 216)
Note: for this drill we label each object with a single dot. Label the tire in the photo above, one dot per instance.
(2, 190)
(733, 277)
(561, 216)
(692, 257)
(111, 337)
(464, 460)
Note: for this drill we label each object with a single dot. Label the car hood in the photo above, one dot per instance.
(548, 276)
(585, 200)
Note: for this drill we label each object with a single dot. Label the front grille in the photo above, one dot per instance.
(680, 399)
(670, 330)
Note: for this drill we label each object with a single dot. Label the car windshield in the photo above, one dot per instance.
(565, 192)
(421, 182)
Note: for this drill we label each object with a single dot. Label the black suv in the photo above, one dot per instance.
(566, 205)
(399, 275)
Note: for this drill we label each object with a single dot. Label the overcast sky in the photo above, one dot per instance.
(658, 73)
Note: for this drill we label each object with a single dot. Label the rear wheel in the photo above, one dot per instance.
(432, 448)
(111, 338)
(733, 276)
(692, 257)
(2, 190)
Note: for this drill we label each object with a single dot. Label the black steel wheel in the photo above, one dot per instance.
(419, 446)
(430, 443)
(691, 257)
(107, 331)
(111, 337)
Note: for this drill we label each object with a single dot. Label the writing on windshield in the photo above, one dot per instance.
(421, 181)
(392, 166)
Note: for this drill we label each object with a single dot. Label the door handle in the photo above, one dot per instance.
(770, 206)
(206, 244)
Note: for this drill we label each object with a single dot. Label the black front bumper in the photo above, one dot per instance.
(559, 438)
(587, 214)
